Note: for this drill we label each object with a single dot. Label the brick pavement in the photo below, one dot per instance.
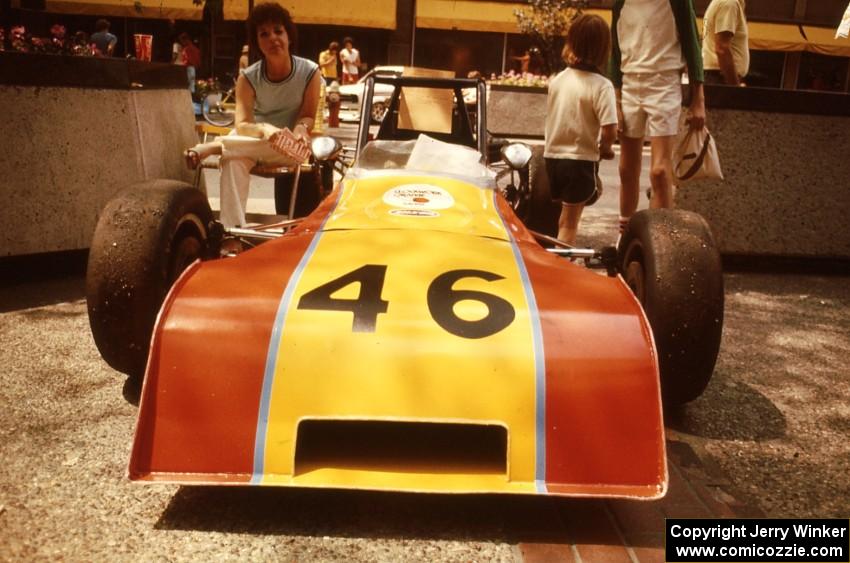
(614, 531)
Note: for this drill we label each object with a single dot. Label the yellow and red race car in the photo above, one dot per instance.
(410, 334)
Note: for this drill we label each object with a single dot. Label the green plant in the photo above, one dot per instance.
(547, 22)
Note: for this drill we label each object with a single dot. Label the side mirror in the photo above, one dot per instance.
(516, 155)
(325, 148)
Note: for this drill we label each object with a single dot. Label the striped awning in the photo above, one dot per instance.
(349, 13)
(161, 9)
(791, 37)
(476, 15)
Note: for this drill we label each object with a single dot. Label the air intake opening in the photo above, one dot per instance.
(401, 447)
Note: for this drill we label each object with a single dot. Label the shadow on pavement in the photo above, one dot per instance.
(357, 514)
(747, 414)
(42, 279)
(132, 391)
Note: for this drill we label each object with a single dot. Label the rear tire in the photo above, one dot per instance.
(540, 213)
(670, 261)
(145, 237)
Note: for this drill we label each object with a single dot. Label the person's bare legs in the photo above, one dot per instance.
(631, 155)
(661, 172)
(568, 222)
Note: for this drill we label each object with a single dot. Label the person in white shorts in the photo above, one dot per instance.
(653, 40)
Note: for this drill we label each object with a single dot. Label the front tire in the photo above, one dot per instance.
(145, 237)
(669, 259)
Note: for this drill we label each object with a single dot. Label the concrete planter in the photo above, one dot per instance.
(785, 156)
(76, 131)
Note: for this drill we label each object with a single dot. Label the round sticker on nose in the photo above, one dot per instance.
(419, 196)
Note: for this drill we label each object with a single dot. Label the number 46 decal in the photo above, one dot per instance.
(441, 300)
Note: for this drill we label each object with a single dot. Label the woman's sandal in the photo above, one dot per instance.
(193, 159)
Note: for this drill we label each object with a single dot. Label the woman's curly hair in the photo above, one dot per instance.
(273, 13)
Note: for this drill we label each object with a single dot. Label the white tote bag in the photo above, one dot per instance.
(695, 156)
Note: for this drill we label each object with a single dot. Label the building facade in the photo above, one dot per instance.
(792, 41)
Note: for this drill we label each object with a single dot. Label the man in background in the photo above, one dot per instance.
(102, 39)
(350, 59)
(190, 57)
(327, 62)
(725, 49)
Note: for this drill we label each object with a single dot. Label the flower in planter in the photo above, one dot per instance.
(206, 87)
(529, 80)
(18, 36)
(57, 42)
(81, 45)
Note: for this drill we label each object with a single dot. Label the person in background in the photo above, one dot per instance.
(103, 40)
(725, 43)
(581, 121)
(243, 58)
(327, 62)
(350, 59)
(278, 91)
(653, 40)
(524, 61)
(177, 51)
(190, 57)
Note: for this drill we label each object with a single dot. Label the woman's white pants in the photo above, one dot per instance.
(239, 155)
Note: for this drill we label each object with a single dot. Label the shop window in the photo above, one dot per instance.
(822, 72)
(460, 51)
(765, 69)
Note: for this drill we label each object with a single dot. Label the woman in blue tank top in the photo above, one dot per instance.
(278, 91)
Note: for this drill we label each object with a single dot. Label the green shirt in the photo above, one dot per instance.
(689, 39)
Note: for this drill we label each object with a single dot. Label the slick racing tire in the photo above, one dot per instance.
(540, 213)
(307, 198)
(670, 261)
(145, 237)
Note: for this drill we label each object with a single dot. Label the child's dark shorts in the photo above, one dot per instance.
(571, 181)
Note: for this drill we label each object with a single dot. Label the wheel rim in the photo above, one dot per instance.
(186, 247)
(634, 272)
(215, 112)
(187, 250)
(378, 112)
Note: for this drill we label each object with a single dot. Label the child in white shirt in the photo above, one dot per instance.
(581, 105)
